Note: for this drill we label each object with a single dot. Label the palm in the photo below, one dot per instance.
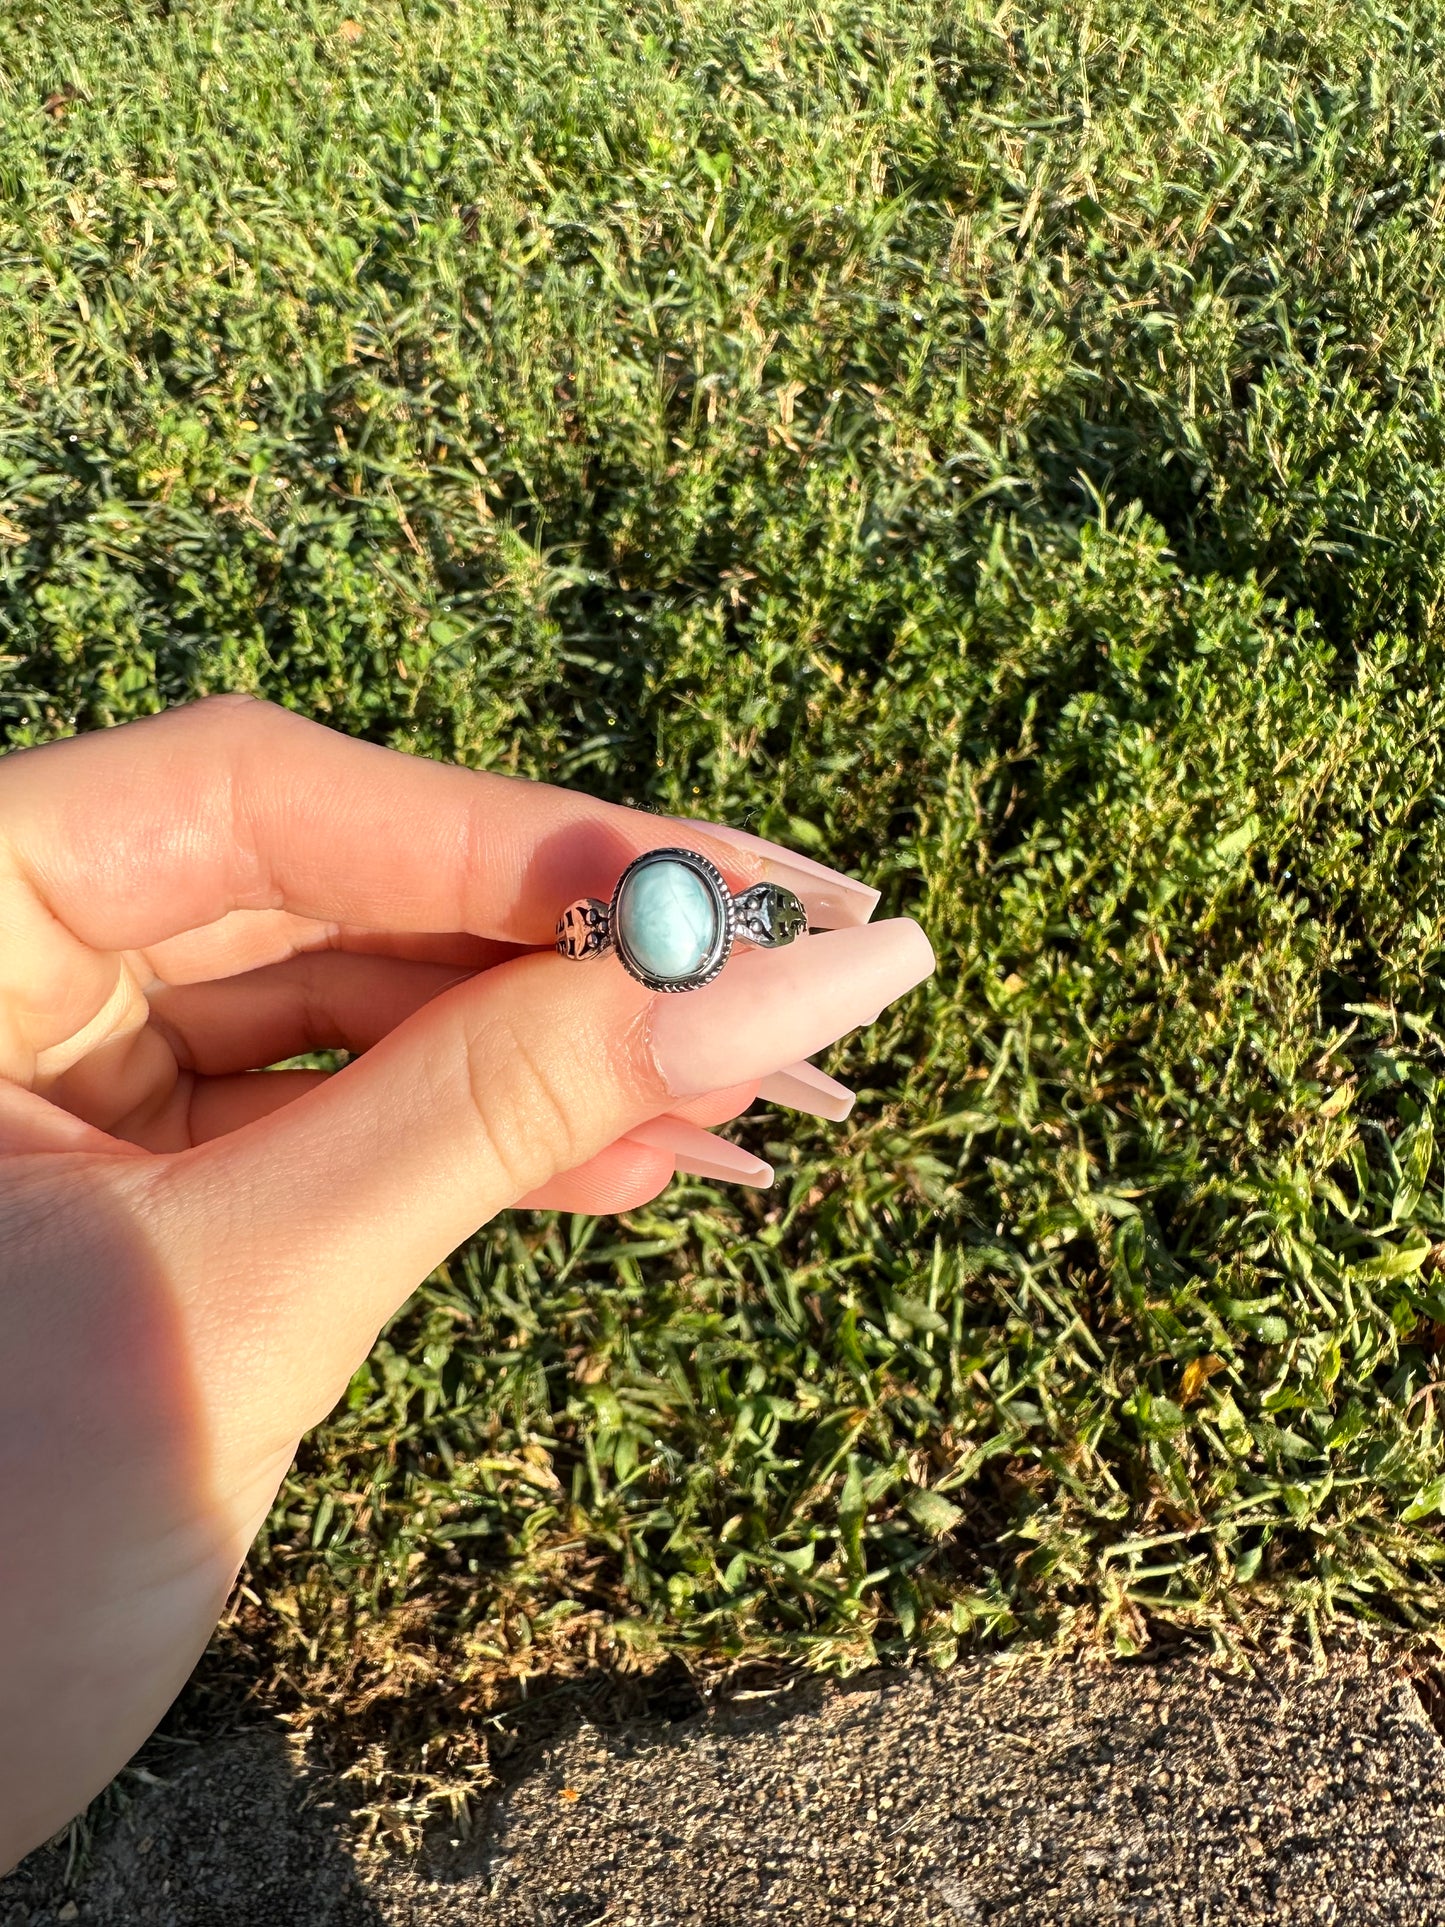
(168, 1060)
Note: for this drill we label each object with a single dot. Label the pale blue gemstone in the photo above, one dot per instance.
(668, 919)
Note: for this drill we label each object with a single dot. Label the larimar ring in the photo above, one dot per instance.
(673, 921)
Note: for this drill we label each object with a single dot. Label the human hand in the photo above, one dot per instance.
(194, 1258)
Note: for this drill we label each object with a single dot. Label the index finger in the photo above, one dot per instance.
(132, 835)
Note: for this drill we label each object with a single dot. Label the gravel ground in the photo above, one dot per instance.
(1128, 1794)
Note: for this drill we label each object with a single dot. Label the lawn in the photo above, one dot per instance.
(998, 450)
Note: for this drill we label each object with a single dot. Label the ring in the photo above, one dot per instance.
(673, 921)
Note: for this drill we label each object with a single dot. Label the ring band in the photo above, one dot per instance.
(672, 920)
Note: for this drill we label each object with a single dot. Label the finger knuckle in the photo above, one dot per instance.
(222, 703)
(232, 710)
(525, 1103)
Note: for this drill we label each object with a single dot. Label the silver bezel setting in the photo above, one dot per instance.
(727, 919)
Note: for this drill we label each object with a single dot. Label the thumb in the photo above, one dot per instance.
(304, 1231)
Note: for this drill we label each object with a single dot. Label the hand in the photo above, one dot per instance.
(195, 1258)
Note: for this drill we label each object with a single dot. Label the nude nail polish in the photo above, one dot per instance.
(803, 1087)
(772, 1007)
(836, 901)
(702, 1153)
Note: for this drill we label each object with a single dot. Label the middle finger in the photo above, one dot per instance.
(341, 1000)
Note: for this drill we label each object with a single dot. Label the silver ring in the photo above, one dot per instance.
(672, 920)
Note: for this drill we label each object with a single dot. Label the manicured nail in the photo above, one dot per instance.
(803, 1087)
(701, 1154)
(834, 900)
(771, 1007)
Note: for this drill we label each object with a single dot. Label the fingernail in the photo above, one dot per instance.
(803, 1087)
(834, 900)
(771, 1007)
(701, 1154)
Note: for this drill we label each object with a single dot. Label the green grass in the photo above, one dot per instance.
(1002, 452)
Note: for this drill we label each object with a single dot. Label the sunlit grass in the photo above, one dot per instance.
(1000, 452)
